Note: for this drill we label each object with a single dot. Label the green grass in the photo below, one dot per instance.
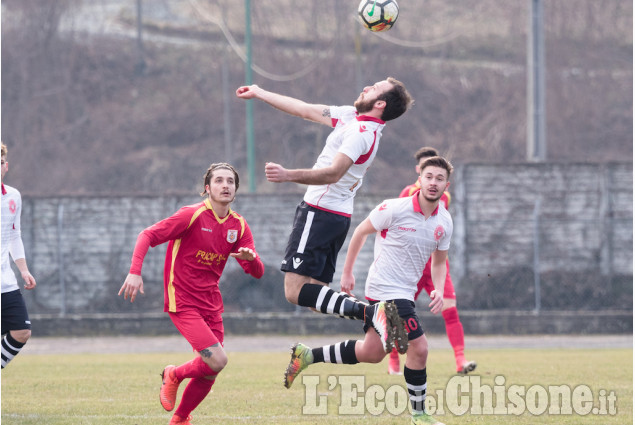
(116, 389)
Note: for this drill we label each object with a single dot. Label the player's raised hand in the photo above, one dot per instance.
(275, 172)
(131, 287)
(248, 92)
(244, 254)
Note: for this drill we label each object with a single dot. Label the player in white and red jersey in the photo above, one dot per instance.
(408, 233)
(201, 238)
(16, 326)
(323, 218)
(453, 325)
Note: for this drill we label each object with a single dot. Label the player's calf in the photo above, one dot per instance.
(11, 347)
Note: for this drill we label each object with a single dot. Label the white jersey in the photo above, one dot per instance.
(11, 237)
(404, 241)
(356, 136)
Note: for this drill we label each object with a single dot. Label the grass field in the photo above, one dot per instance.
(116, 389)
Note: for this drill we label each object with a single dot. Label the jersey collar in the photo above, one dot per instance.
(208, 204)
(417, 207)
(369, 118)
(4, 191)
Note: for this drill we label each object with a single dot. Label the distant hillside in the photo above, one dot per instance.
(87, 109)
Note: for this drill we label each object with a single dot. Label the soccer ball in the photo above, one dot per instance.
(378, 15)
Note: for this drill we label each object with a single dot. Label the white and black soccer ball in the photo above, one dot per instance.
(378, 15)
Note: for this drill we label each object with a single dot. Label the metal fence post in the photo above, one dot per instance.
(60, 257)
(537, 255)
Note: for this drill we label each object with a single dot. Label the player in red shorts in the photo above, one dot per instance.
(450, 314)
(201, 238)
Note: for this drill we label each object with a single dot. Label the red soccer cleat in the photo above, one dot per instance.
(177, 420)
(169, 387)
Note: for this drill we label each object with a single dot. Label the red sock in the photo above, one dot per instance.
(194, 393)
(196, 368)
(454, 329)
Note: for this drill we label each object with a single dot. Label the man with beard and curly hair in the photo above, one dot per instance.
(323, 217)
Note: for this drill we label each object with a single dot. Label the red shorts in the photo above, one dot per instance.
(426, 282)
(200, 331)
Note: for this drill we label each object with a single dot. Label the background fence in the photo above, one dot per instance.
(541, 237)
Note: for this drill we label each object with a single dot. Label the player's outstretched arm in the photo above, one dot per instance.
(309, 111)
(249, 261)
(244, 254)
(328, 175)
(133, 283)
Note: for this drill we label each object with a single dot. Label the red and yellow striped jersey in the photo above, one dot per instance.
(199, 245)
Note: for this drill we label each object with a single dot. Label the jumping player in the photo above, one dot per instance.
(453, 326)
(16, 326)
(323, 218)
(408, 233)
(201, 238)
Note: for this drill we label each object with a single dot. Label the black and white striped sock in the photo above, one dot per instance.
(416, 381)
(327, 301)
(10, 349)
(342, 353)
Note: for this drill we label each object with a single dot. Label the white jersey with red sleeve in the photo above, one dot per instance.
(356, 136)
(404, 241)
(11, 235)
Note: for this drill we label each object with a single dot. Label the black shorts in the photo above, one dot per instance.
(407, 312)
(316, 239)
(14, 314)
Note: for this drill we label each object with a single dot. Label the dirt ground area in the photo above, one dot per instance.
(272, 343)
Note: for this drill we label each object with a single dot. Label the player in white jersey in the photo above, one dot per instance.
(408, 232)
(404, 235)
(322, 219)
(16, 326)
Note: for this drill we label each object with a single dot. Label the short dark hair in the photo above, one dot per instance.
(207, 177)
(425, 152)
(397, 99)
(437, 161)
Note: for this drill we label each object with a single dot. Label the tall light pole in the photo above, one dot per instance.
(249, 106)
(536, 139)
(141, 63)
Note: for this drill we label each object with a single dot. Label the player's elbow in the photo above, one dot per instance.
(333, 175)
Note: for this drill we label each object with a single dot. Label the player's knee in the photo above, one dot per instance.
(220, 362)
(418, 351)
(371, 354)
(290, 295)
(21, 335)
(291, 291)
(217, 361)
(449, 303)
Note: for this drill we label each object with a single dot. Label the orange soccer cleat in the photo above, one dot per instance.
(169, 387)
(177, 420)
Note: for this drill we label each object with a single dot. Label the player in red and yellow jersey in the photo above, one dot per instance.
(201, 238)
(450, 314)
